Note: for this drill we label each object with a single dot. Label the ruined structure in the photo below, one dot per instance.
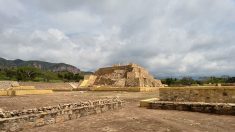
(18, 120)
(13, 88)
(130, 75)
(216, 100)
(198, 94)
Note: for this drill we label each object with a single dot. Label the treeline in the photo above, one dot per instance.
(188, 81)
(35, 74)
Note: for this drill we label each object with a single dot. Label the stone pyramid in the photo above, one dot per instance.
(131, 75)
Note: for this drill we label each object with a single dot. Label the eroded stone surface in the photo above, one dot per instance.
(198, 94)
(19, 120)
(215, 108)
(8, 84)
(130, 75)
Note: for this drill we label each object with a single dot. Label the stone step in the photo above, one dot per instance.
(146, 102)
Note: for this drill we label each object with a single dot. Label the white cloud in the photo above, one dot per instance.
(11, 8)
(171, 37)
(75, 21)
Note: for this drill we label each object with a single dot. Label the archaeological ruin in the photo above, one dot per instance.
(13, 88)
(216, 100)
(128, 78)
(18, 120)
(121, 76)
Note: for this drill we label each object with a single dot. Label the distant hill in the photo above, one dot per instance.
(55, 67)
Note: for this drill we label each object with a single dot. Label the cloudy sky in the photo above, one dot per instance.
(169, 37)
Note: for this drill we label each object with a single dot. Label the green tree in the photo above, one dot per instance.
(27, 73)
(187, 81)
(11, 73)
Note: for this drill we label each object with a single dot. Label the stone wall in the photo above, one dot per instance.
(26, 119)
(214, 108)
(30, 92)
(53, 86)
(12, 88)
(128, 89)
(23, 92)
(198, 94)
(8, 84)
(4, 93)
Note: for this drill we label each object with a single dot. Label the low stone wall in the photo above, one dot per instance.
(215, 108)
(3, 93)
(149, 89)
(8, 84)
(23, 92)
(22, 88)
(146, 102)
(51, 86)
(198, 94)
(31, 92)
(128, 89)
(25, 119)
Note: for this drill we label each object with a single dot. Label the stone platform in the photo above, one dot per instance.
(223, 94)
(12, 88)
(127, 89)
(214, 108)
(146, 102)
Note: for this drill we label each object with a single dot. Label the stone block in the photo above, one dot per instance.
(146, 102)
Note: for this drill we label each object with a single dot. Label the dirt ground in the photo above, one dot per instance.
(131, 118)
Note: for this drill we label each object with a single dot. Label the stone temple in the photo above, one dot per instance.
(131, 75)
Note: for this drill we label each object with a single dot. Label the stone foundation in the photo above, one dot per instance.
(23, 92)
(51, 86)
(11, 121)
(215, 108)
(198, 94)
(127, 89)
(216, 100)
(146, 102)
(8, 84)
(12, 88)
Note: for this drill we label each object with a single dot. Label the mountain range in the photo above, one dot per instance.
(54, 67)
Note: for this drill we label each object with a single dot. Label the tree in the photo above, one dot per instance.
(69, 76)
(187, 81)
(35, 74)
(170, 81)
(230, 80)
(27, 73)
(11, 73)
(48, 75)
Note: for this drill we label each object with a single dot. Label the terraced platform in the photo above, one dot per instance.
(214, 108)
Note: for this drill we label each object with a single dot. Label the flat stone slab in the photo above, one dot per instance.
(146, 102)
(214, 108)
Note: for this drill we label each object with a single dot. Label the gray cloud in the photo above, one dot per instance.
(170, 37)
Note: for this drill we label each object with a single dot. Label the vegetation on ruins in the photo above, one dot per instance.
(35, 74)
